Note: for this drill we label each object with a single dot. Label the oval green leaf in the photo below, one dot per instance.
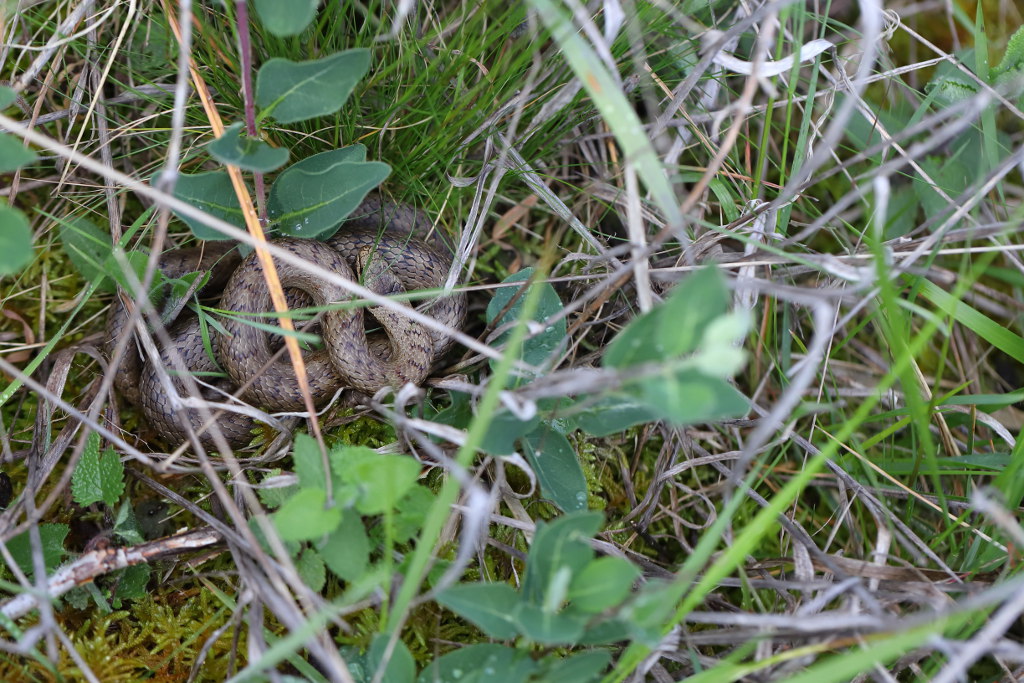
(312, 197)
(675, 327)
(213, 193)
(236, 148)
(303, 517)
(13, 154)
(7, 96)
(296, 91)
(557, 468)
(286, 18)
(15, 240)
(541, 348)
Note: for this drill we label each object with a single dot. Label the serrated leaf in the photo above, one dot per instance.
(286, 18)
(13, 154)
(303, 517)
(1013, 58)
(400, 667)
(949, 84)
(381, 480)
(491, 606)
(52, 541)
(563, 543)
(557, 467)
(674, 328)
(274, 489)
(213, 193)
(480, 663)
(15, 241)
(237, 149)
(295, 91)
(603, 583)
(7, 96)
(310, 566)
(131, 583)
(346, 551)
(540, 349)
(97, 477)
(411, 512)
(312, 197)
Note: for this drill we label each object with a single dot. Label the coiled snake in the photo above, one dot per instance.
(380, 241)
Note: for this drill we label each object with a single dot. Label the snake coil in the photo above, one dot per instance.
(380, 241)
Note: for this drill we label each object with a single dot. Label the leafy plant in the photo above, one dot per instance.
(364, 484)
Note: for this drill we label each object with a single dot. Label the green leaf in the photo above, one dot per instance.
(97, 477)
(481, 663)
(603, 583)
(411, 512)
(311, 569)
(949, 84)
(647, 613)
(296, 91)
(252, 154)
(561, 544)
(87, 246)
(308, 462)
(1013, 58)
(550, 628)
(303, 517)
(15, 241)
(272, 495)
(400, 668)
(382, 480)
(286, 18)
(605, 633)
(674, 328)
(503, 431)
(558, 470)
(578, 668)
(346, 551)
(52, 537)
(137, 261)
(538, 350)
(213, 193)
(312, 197)
(490, 606)
(13, 154)
(126, 525)
(131, 583)
(612, 413)
(691, 397)
(7, 96)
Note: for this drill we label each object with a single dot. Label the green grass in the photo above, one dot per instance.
(883, 358)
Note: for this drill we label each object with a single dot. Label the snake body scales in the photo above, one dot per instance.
(381, 240)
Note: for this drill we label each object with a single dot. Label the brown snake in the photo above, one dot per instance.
(380, 240)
